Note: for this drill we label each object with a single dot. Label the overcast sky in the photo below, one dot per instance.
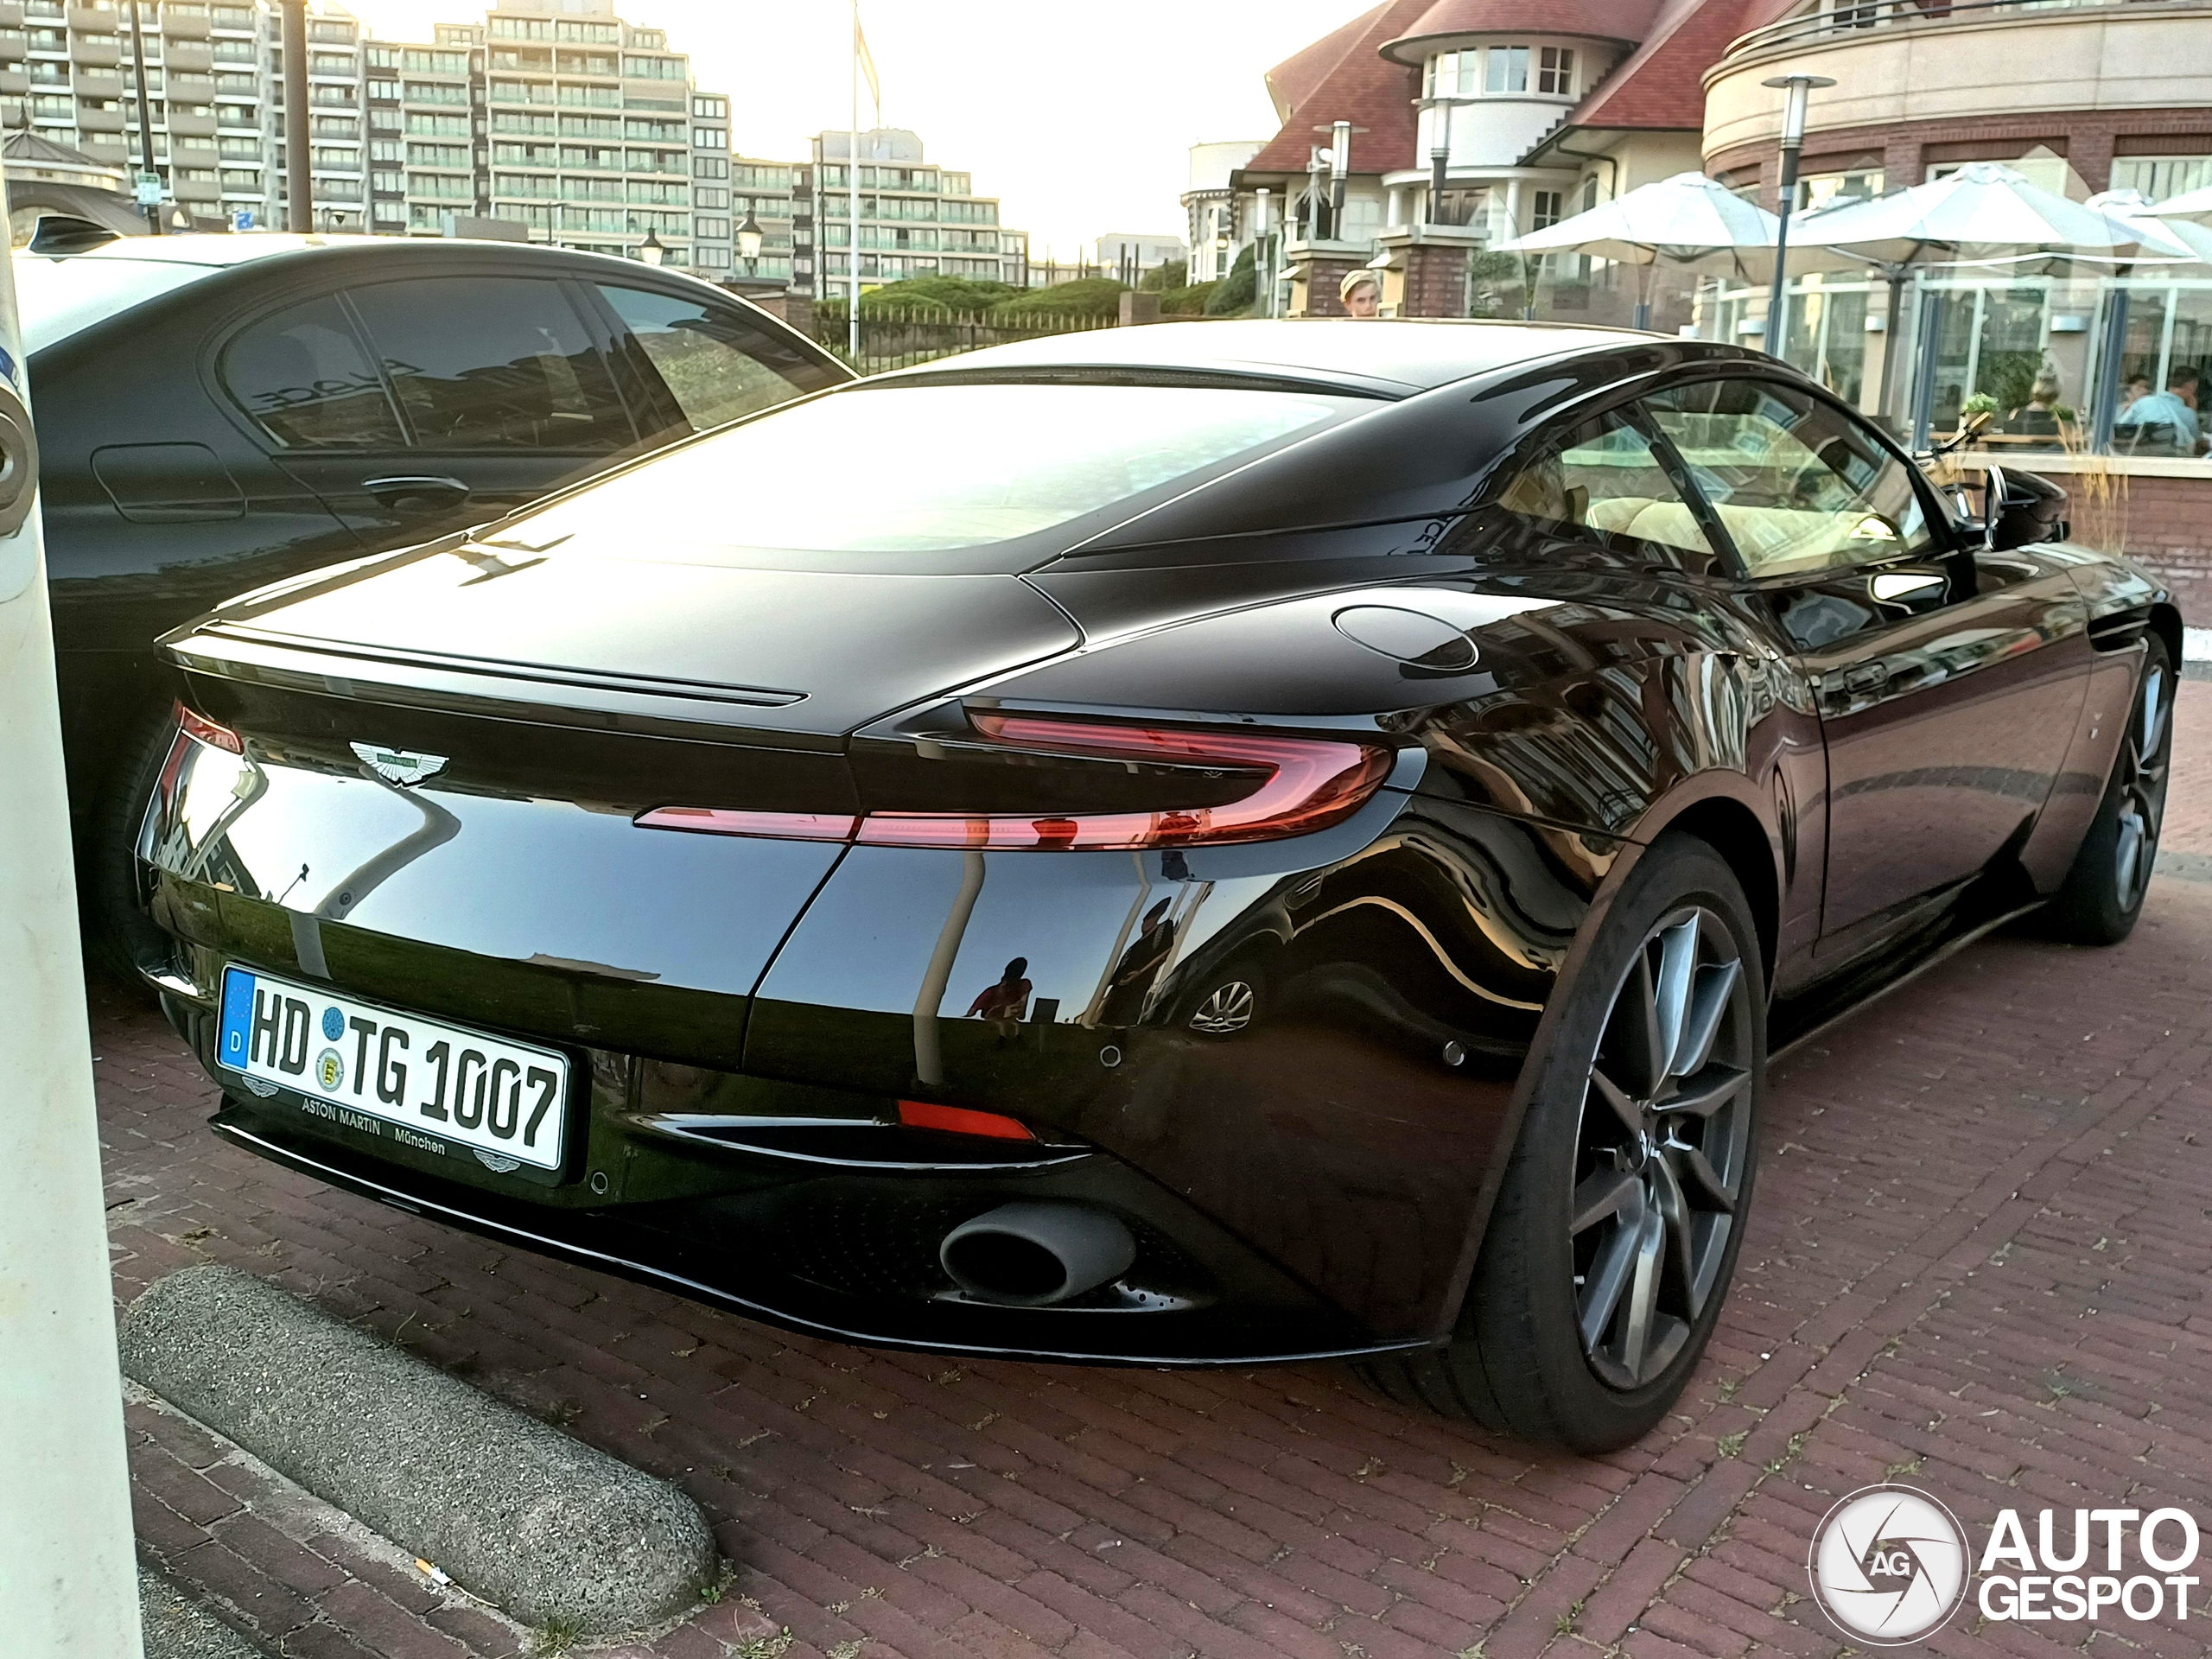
(1078, 116)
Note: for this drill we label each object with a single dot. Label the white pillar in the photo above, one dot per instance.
(68, 1581)
(1513, 208)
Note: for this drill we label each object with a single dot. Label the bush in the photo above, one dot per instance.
(1165, 278)
(1094, 296)
(1189, 302)
(948, 296)
(1233, 294)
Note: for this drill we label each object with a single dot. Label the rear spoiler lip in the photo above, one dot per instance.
(543, 693)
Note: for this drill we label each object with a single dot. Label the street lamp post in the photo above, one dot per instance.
(1796, 92)
(651, 249)
(149, 183)
(749, 240)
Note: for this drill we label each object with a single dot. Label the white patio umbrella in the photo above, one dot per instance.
(1983, 205)
(2193, 205)
(1686, 219)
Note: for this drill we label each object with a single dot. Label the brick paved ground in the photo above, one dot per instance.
(1977, 1263)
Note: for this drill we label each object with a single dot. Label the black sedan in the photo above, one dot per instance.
(1197, 844)
(215, 412)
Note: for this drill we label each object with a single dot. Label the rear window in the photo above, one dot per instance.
(931, 469)
(59, 295)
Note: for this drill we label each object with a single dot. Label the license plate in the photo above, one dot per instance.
(366, 1066)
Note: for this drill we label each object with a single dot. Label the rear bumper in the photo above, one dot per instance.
(852, 1258)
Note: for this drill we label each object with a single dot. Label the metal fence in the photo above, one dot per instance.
(899, 339)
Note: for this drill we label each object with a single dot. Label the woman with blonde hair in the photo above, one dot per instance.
(1361, 293)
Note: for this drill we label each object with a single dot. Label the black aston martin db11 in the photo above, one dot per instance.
(1205, 844)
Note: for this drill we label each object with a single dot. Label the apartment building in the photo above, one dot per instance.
(588, 131)
(916, 219)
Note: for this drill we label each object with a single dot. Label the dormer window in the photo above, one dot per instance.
(1508, 69)
(1501, 69)
(1454, 74)
(1555, 71)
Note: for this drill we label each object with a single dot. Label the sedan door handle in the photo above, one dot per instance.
(1866, 679)
(442, 492)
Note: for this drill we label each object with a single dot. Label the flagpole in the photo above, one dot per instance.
(853, 204)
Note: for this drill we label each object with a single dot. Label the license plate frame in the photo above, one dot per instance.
(349, 1080)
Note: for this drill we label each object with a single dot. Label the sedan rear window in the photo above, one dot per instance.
(927, 469)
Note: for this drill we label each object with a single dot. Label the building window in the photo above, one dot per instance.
(709, 138)
(1547, 212)
(1508, 69)
(714, 227)
(2161, 176)
(1555, 71)
(1452, 75)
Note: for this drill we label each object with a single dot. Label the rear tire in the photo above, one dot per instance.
(1616, 1231)
(2103, 893)
(118, 934)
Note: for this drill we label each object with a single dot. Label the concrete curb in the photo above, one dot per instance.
(533, 1521)
(178, 1627)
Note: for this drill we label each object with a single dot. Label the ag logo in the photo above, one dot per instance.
(401, 766)
(1889, 1565)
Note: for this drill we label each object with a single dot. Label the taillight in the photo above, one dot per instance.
(961, 1120)
(1300, 784)
(199, 726)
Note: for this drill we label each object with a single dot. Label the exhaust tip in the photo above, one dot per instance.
(1033, 1255)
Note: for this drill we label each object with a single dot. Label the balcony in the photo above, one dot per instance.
(1896, 62)
(188, 57)
(114, 152)
(14, 83)
(191, 126)
(95, 51)
(100, 83)
(199, 190)
(176, 27)
(100, 20)
(11, 13)
(91, 120)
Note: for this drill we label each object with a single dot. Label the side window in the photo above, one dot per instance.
(716, 364)
(302, 374)
(1603, 481)
(1797, 484)
(493, 363)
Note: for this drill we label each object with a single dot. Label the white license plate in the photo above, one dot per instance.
(355, 1060)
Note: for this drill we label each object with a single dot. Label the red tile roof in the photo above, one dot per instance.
(1344, 77)
(1605, 20)
(1659, 87)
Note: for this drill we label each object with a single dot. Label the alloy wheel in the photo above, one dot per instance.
(1227, 1010)
(1662, 1148)
(2142, 791)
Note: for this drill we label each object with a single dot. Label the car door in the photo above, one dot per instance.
(1949, 680)
(689, 362)
(423, 404)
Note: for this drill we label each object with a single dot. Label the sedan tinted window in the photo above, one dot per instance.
(928, 469)
(1603, 481)
(493, 363)
(716, 365)
(302, 374)
(1797, 484)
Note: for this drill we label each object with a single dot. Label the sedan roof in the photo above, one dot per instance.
(1406, 354)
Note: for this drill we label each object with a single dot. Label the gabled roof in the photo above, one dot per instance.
(1344, 77)
(1604, 20)
(1660, 85)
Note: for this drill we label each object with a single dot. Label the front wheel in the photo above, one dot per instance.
(1618, 1225)
(2103, 893)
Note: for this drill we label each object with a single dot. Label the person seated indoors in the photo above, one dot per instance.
(1362, 294)
(2136, 389)
(2176, 407)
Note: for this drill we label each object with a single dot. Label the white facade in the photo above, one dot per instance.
(1210, 215)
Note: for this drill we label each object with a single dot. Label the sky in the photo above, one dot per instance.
(1077, 116)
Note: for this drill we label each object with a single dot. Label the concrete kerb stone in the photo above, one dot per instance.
(177, 1627)
(533, 1521)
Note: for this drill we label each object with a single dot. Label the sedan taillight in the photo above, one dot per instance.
(1300, 784)
(199, 725)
